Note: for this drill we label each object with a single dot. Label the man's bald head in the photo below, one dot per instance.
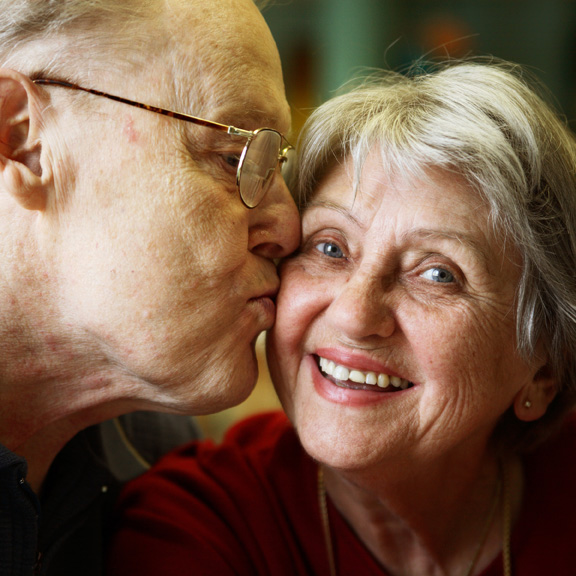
(64, 37)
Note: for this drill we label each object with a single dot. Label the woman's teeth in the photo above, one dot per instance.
(357, 376)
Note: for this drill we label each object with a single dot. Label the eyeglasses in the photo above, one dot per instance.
(264, 150)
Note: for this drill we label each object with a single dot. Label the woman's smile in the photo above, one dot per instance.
(352, 387)
(355, 379)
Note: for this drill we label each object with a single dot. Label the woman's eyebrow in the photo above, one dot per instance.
(459, 236)
(326, 204)
(467, 240)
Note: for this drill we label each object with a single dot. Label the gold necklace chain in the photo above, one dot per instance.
(487, 525)
(503, 485)
(325, 521)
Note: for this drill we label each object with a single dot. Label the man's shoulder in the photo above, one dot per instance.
(132, 443)
(85, 479)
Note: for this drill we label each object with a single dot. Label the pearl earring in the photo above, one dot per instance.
(527, 404)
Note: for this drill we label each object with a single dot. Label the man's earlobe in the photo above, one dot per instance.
(20, 147)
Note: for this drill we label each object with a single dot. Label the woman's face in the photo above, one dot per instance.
(395, 332)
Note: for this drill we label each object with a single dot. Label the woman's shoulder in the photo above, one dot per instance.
(225, 508)
(556, 452)
(253, 453)
(257, 438)
(550, 471)
(546, 530)
(260, 431)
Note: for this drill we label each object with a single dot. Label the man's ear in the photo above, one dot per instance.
(20, 148)
(533, 399)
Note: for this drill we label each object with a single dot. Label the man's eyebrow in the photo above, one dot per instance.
(245, 118)
(250, 118)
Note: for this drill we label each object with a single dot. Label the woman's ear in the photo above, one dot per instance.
(20, 147)
(532, 401)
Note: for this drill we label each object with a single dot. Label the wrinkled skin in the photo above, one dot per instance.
(408, 280)
(133, 275)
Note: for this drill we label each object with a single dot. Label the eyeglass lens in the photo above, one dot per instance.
(257, 166)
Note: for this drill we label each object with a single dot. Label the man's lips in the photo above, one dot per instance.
(265, 298)
(266, 303)
(267, 289)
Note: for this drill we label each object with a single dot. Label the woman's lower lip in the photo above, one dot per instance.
(348, 394)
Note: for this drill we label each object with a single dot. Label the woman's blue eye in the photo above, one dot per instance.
(440, 275)
(330, 249)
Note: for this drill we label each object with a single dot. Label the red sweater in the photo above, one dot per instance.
(249, 507)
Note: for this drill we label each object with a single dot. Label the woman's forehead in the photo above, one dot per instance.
(439, 204)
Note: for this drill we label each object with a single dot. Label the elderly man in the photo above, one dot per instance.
(138, 244)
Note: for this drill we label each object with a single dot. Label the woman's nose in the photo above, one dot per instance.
(362, 308)
(275, 223)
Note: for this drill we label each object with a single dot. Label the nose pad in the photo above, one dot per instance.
(275, 223)
(288, 167)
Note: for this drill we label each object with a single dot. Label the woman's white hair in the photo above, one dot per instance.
(484, 122)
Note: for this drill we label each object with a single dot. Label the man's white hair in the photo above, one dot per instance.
(54, 37)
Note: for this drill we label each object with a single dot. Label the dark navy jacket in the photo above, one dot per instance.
(64, 532)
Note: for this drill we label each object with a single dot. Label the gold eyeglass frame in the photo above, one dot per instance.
(250, 135)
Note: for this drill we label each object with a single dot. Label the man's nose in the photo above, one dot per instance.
(275, 222)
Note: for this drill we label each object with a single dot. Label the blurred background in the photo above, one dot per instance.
(324, 43)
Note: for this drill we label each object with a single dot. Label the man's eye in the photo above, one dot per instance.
(440, 275)
(330, 249)
(232, 160)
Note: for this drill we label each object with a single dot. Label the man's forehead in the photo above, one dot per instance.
(204, 63)
(262, 104)
(243, 86)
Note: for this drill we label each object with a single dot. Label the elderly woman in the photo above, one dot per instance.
(424, 353)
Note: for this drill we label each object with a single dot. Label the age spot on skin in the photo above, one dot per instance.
(131, 133)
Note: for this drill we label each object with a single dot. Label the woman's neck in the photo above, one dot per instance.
(428, 521)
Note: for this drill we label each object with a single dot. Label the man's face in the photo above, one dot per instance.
(155, 257)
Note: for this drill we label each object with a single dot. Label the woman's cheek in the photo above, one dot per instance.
(300, 301)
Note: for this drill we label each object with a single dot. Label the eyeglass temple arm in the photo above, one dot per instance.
(171, 113)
